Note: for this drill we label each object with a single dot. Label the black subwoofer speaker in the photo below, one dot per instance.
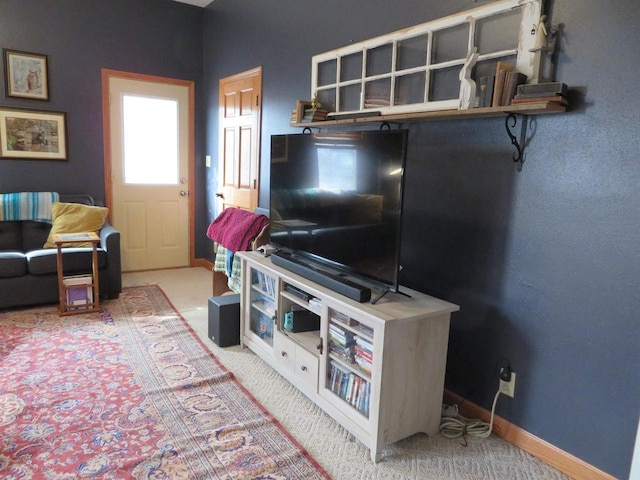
(224, 320)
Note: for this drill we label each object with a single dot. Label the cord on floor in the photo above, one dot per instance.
(459, 426)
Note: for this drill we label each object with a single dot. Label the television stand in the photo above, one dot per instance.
(334, 281)
(378, 370)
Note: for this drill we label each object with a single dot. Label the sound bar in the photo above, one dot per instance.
(334, 282)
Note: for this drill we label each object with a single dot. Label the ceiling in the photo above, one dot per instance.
(197, 3)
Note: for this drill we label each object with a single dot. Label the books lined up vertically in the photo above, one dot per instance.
(265, 283)
(350, 387)
(499, 89)
(351, 350)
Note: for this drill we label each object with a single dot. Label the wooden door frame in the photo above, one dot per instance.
(254, 72)
(107, 75)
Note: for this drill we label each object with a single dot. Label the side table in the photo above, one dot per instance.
(65, 307)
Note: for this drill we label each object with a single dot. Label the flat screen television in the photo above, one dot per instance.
(336, 202)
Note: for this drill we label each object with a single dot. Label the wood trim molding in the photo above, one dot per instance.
(549, 454)
(204, 263)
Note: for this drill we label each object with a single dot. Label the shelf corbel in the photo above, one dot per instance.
(519, 144)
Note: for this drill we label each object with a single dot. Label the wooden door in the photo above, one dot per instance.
(149, 176)
(239, 155)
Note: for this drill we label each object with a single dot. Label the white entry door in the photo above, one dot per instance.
(150, 148)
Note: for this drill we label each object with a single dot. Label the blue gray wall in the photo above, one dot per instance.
(81, 37)
(544, 263)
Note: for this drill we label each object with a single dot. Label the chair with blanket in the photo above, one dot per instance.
(235, 230)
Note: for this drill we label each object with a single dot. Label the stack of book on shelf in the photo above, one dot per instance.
(342, 318)
(498, 90)
(314, 115)
(542, 92)
(307, 111)
(350, 387)
(79, 291)
(364, 354)
(341, 343)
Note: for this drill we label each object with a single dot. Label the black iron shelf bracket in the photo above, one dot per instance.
(519, 143)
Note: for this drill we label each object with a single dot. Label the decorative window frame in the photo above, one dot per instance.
(527, 57)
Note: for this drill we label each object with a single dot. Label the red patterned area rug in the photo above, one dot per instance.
(130, 392)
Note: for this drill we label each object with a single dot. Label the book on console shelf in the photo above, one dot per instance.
(342, 318)
(350, 387)
(346, 354)
(79, 291)
(341, 337)
(364, 344)
(266, 284)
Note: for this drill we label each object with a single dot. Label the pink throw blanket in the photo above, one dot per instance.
(235, 229)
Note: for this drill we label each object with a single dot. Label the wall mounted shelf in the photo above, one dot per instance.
(509, 112)
(442, 115)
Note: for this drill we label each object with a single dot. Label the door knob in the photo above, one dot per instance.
(183, 193)
(219, 195)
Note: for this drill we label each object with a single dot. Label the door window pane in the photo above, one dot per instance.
(150, 137)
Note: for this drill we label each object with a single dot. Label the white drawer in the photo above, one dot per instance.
(284, 351)
(306, 367)
(296, 362)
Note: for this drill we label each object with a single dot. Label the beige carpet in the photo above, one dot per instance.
(338, 452)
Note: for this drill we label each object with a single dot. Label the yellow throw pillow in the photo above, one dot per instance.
(75, 218)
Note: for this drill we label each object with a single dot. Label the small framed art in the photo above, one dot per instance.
(33, 134)
(26, 75)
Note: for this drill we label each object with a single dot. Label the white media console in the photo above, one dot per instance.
(378, 370)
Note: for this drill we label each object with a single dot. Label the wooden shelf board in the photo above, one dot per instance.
(522, 108)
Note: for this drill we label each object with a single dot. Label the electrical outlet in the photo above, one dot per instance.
(207, 160)
(508, 388)
(449, 411)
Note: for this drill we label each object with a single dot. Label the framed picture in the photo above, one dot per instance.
(33, 134)
(26, 75)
